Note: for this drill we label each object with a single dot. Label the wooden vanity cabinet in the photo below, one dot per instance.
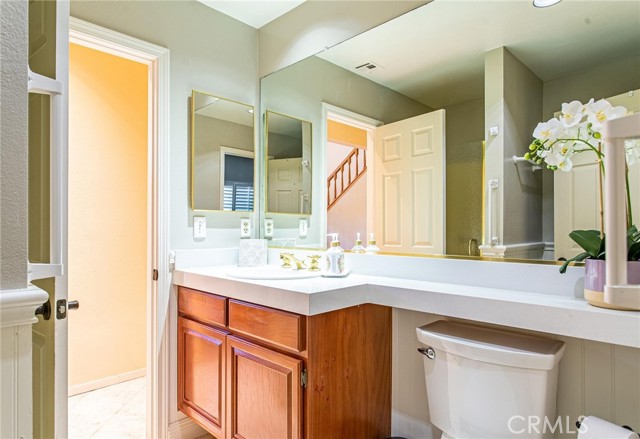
(263, 373)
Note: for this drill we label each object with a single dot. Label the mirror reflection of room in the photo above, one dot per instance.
(222, 154)
(288, 164)
(494, 91)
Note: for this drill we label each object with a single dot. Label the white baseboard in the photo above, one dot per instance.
(104, 382)
(527, 250)
(185, 428)
(492, 251)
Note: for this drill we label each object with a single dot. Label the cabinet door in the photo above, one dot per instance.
(264, 393)
(201, 374)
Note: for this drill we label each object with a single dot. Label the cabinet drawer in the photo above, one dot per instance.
(280, 328)
(205, 307)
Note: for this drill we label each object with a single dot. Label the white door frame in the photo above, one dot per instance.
(346, 117)
(158, 293)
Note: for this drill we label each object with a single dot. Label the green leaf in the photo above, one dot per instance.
(633, 236)
(634, 252)
(578, 258)
(589, 240)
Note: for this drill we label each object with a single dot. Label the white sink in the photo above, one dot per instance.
(270, 272)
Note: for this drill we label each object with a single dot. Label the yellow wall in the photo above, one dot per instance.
(107, 216)
(346, 135)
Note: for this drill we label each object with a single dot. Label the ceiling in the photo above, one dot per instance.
(435, 54)
(255, 13)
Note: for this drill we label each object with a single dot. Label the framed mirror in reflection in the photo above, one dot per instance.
(495, 80)
(222, 154)
(288, 168)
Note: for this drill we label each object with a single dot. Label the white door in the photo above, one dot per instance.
(48, 56)
(285, 185)
(576, 202)
(409, 185)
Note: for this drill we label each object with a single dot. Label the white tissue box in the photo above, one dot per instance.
(252, 253)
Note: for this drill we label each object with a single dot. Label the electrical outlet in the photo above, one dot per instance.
(199, 227)
(268, 228)
(245, 227)
(303, 228)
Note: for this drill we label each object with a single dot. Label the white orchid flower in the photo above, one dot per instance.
(565, 164)
(560, 155)
(602, 111)
(572, 113)
(550, 130)
(632, 150)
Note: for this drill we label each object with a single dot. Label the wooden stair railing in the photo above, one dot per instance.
(352, 167)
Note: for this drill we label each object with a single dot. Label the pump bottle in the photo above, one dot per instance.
(334, 257)
(372, 247)
(358, 248)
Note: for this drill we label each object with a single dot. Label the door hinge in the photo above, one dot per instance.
(155, 274)
(303, 378)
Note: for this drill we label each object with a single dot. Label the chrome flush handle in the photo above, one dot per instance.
(428, 352)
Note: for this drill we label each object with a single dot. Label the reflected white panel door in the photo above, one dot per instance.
(284, 185)
(409, 185)
(577, 201)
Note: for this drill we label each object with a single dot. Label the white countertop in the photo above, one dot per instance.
(554, 313)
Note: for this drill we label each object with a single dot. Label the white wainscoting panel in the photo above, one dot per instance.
(17, 315)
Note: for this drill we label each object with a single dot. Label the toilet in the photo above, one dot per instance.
(484, 383)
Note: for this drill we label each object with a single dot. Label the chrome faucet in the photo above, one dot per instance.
(289, 258)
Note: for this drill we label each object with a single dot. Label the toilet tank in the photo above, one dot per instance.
(488, 383)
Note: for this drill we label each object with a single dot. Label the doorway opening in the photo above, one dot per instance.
(109, 242)
(349, 145)
(156, 215)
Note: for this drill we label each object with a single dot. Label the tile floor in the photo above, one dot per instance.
(114, 412)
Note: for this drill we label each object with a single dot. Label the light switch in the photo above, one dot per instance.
(268, 228)
(245, 227)
(199, 227)
(303, 228)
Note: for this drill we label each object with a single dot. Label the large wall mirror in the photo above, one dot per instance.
(288, 168)
(480, 66)
(222, 153)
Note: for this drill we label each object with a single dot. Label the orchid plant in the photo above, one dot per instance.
(575, 131)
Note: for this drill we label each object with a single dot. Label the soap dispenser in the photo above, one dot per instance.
(358, 248)
(371, 246)
(335, 257)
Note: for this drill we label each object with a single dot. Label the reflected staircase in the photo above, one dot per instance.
(346, 175)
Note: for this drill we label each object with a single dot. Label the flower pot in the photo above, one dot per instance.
(595, 278)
